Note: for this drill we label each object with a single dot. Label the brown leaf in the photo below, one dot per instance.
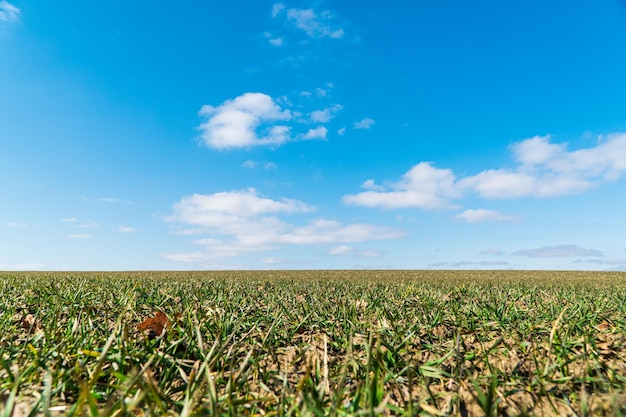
(155, 324)
(29, 323)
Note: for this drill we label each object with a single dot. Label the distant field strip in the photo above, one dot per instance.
(304, 343)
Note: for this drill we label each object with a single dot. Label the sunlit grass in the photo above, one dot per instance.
(314, 343)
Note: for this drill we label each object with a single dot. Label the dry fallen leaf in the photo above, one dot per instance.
(29, 323)
(155, 324)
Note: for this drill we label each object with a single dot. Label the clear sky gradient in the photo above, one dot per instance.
(312, 135)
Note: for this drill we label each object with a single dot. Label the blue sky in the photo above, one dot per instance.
(312, 135)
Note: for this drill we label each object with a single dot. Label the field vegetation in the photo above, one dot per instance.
(314, 343)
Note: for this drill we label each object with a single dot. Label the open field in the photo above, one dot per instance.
(313, 343)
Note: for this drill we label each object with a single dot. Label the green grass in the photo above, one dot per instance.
(316, 343)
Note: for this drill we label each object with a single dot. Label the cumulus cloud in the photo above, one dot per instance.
(364, 123)
(8, 12)
(545, 169)
(236, 123)
(558, 251)
(484, 215)
(423, 186)
(240, 221)
(316, 133)
(542, 169)
(256, 119)
(315, 24)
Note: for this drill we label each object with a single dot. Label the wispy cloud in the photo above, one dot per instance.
(325, 115)
(484, 215)
(113, 200)
(18, 224)
(69, 220)
(251, 164)
(365, 123)
(125, 229)
(558, 251)
(236, 222)
(79, 236)
(345, 250)
(8, 12)
(315, 24)
(466, 264)
(274, 40)
(542, 169)
(88, 224)
(611, 264)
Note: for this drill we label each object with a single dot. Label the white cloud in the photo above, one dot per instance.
(18, 224)
(277, 8)
(484, 215)
(243, 221)
(8, 12)
(253, 164)
(542, 169)
(204, 210)
(125, 229)
(88, 224)
(79, 236)
(314, 24)
(558, 251)
(612, 264)
(423, 186)
(69, 220)
(113, 200)
(256, 119)
(371, 185)
(546, 170)
(341, 131)
(235, 123)
(364, 123)
(345, 250)
(325, 115)
(317, 133)
(276, 41)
